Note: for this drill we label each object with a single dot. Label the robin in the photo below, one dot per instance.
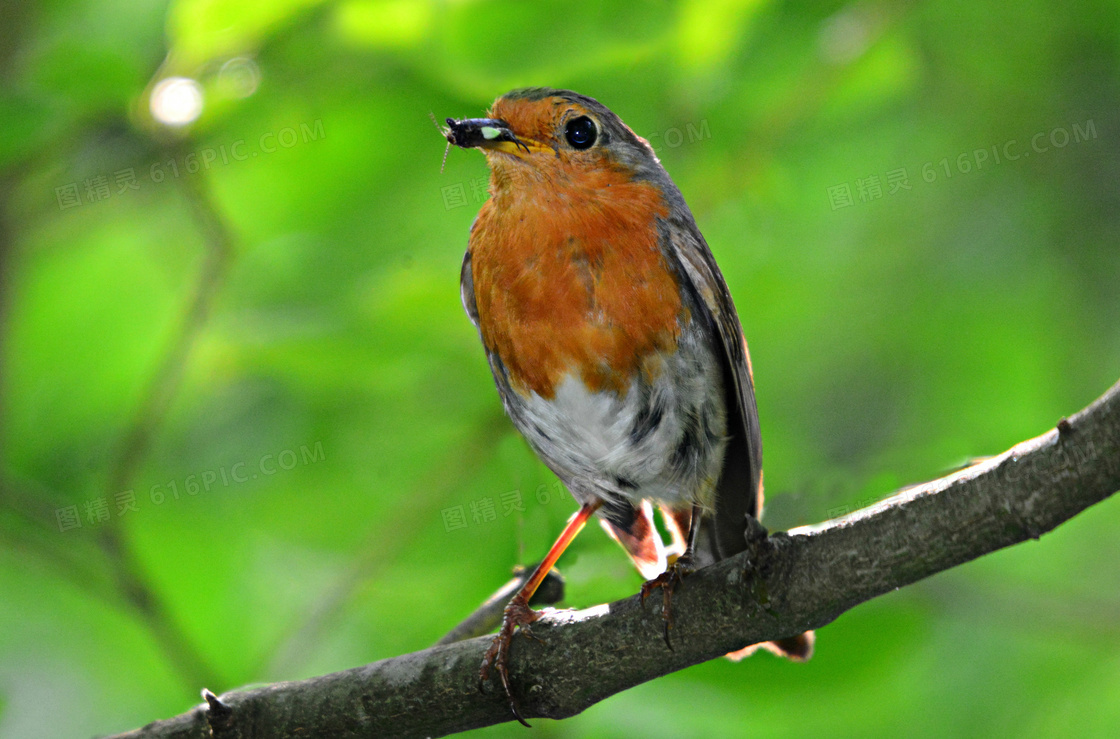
(613, 341)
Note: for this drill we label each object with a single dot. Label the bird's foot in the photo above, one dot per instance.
(669, 581)
(517, 614)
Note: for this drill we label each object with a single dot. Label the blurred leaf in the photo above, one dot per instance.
(203, 30)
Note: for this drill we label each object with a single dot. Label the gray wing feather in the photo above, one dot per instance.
(739, 492)
(466, 289)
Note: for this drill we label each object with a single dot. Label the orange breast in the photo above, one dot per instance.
(568, 279)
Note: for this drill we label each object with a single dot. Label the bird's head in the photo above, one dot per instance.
(540, 133)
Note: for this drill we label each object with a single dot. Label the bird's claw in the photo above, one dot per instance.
(668, 581)
(517, 614)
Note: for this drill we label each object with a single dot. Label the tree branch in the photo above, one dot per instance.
(786, 583)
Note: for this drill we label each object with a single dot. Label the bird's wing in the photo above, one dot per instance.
(739, 492)
(497, 369)
(466, 289)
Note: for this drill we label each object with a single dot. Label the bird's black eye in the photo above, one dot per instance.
(581, 133)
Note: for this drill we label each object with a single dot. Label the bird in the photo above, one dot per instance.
(614, 344)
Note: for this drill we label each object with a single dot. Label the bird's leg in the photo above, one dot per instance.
(671, 578)
(519, 614)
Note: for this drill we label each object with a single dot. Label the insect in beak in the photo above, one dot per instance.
(483, 133)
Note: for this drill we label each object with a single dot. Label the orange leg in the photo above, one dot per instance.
(518, 613)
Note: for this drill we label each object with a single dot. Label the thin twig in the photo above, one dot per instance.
(488, 616)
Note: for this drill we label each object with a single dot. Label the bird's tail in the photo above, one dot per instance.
(797, 648)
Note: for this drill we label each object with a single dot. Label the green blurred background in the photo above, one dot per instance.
(248, 434)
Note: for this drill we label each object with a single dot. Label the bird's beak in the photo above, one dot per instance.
(488, 133)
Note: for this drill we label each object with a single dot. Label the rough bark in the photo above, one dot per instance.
(784, 584)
